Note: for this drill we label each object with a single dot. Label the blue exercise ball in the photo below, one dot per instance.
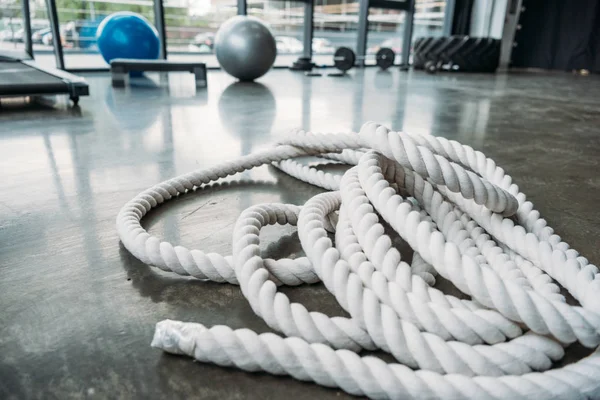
(245, 47)
(127, 35)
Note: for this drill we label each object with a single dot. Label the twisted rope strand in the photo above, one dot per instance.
(495, 331)
(392, 334)
(459, 228)
(453, 206)
(368, 376)
(566, 323)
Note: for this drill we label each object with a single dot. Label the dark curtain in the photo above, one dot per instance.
(461, 22)
(558, 34)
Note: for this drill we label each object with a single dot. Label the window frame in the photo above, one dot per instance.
(407, 6)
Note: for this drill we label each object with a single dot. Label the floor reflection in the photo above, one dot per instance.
(144, 135)
(247, 111)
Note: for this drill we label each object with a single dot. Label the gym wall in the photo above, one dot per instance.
(559, 35)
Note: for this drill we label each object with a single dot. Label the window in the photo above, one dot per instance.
(11, 27)
(191, 27)
(429, 18)
(41, 35)
(12, 31)
(386, 27)
(79, 20)
(286, 20)
(335, 25)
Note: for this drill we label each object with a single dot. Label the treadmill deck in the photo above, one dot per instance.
(23, 78)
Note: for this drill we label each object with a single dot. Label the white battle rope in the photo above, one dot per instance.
(466, 222)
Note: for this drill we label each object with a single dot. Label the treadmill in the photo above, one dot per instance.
(20, 76)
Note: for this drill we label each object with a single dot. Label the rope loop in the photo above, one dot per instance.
(466, 222)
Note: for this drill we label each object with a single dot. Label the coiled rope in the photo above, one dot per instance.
(464, 219)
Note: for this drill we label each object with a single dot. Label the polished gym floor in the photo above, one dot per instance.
(78, 311)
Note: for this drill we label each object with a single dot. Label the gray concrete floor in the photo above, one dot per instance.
(78, 312)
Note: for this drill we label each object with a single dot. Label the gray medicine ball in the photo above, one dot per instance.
(245, 47)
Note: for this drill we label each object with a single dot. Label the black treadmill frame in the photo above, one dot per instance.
(72, 85)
